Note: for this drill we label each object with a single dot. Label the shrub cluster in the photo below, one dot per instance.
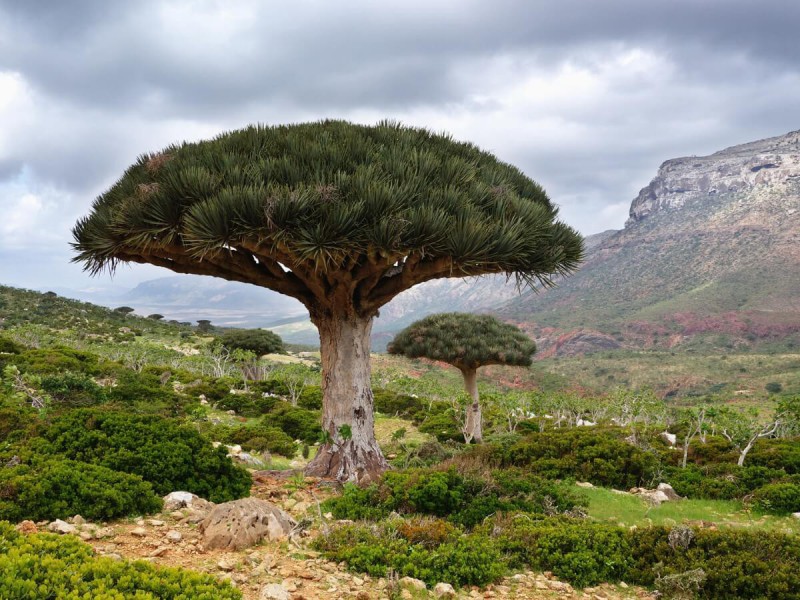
(49, 566)
(57, 489)
(163, 452)
(737, 564)
(463, 499)
(598, 455)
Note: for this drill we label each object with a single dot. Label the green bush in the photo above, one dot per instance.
(64, 568)
(263, 438)
(298, 423)
(57, 489)
(58, 359)
(778, 498)
(9, 346)
(163, 452)
(600, 456)
(73, 389)
(143, 391)
(247, 405)
(460, 559)
(720, 481)
(781, 453)
(463, 499)
(258, 341)
(310, 398)
(388, 402)
(442, 426)
(14, 422)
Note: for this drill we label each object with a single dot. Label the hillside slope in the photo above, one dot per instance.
(712, 248)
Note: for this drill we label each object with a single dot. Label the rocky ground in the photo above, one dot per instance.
(288, 569)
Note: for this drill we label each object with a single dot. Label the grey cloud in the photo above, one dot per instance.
(341, 55)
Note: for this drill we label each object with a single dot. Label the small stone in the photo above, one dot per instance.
(411, 583)
(161, 550)
(301, 507)
(274, 591)
(85, 536)
(78, 520)
(623, 585)
(112, 555)
(584, 484)
(358, 581)
(329, 515)
(62, 527)
(796, 515)
(104, 532)
(155, 522)
(174, 536)
(139, 532)
(406, 595)
(444, 590)
(225, 565)
(27, 527)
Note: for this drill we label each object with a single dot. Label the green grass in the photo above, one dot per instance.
(628, 510)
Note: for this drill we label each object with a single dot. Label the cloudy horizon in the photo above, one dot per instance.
(588, 99)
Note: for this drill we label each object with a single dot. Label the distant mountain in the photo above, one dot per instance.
(711, 253)
(189, 298)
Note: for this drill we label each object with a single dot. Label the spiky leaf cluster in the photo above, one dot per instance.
(329, 212)
(465, 341)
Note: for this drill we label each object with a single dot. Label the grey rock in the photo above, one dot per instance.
(61, 527)
(243, 523)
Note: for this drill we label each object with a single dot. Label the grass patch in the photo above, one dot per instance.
(627, 510)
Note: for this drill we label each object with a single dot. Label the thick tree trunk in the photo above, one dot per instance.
(351, 452)
(472, 422)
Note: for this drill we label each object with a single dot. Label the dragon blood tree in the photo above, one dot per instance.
(467, 342)
(342, 217)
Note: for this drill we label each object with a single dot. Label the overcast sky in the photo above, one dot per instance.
(587, 97)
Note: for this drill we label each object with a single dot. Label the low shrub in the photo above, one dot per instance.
(388, 402)
(736, 564)
(720, 481)
(248, 404)
(73, 389)
(298, 423)
(461, 559)
(258, 341)
(600, 456)
(57, 489)
(168, 455)
(263, 438)
(463, 499)
(63, 567)
(778, 498)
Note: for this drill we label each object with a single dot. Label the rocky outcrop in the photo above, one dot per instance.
(244, 523)
(740, 169)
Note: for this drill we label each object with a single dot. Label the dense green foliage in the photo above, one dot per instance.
(423, 550)
(315, 195)
(57, 489)
(258, 341)
(738, 564)
(462, 499)
(168, 455)
(464, 340)
(602, 457)
(63, 568)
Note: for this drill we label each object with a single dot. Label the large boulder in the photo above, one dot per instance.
(244, 523)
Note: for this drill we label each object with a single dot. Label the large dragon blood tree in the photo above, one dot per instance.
(342, 217)
(468, 342)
